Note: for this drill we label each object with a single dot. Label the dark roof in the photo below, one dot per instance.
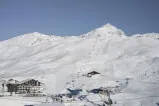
(93, 72)
(74, 91)
(12, 81)
(96, 91)
(27, 81)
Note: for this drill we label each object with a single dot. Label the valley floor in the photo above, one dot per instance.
(41, 101)
(20, 101)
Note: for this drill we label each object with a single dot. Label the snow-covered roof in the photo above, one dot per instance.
(12, 81)
(21, 82)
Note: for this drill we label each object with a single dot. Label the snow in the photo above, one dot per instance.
(148, 35)
(61, 62)
(55, 104)
(19, 101)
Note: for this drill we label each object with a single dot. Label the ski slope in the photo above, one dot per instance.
(60, 62)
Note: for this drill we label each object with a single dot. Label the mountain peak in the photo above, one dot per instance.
(36, 34)
(108, 31)
(108, 25)
(30, 39)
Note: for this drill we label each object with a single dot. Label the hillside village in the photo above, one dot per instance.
(28, 87)
(34, 88)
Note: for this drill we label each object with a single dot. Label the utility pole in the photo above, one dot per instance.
(141, 104)
(3, 88)
(109, 100)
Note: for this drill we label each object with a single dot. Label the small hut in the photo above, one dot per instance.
(90, 74)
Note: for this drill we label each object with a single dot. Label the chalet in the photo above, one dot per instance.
(90, 74)
(30, 86)
(10, 86)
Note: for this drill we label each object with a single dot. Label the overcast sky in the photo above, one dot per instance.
(75, 17)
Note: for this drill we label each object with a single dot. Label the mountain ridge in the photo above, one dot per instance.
(62, 62)
(106, 30)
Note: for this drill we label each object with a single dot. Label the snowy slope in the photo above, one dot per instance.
(59, 61)
(148, 35)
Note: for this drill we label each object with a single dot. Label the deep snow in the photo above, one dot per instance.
(60, 62)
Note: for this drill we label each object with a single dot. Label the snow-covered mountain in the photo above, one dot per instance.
(148, 35)
(61, 62)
